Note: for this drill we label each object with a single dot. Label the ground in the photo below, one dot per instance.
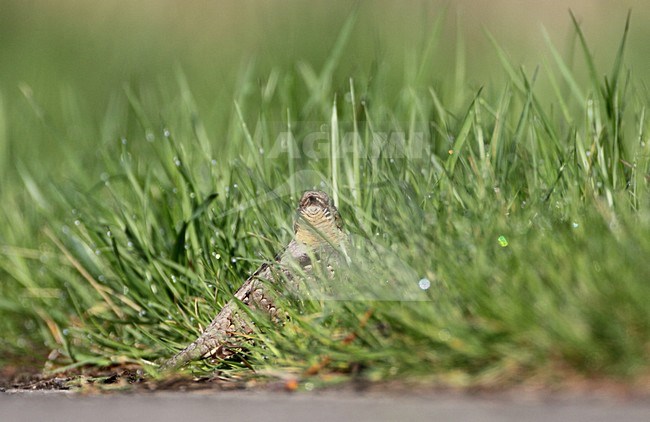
(131, 378)
(375, 402)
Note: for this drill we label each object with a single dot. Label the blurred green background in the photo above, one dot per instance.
(53, 51)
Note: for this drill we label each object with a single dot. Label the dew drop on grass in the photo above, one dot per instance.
(150, 137)
(109, 234)
(101, 278)
(424, 283)
(129, 244)
(216, 255)
(125, 290)
(142, 313)
(503, 242)
(233, 260)
(98, 252)
(177, 161)
(575, 225)
(167, 133)
(123, 140)
(213, 162)
(77, 222)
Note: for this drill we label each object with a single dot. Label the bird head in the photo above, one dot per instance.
(318, 221)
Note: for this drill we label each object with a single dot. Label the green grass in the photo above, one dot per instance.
(527, 211)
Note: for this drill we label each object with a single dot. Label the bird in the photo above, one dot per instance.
(318, 237)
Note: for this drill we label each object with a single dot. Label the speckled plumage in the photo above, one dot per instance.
(317, 233)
